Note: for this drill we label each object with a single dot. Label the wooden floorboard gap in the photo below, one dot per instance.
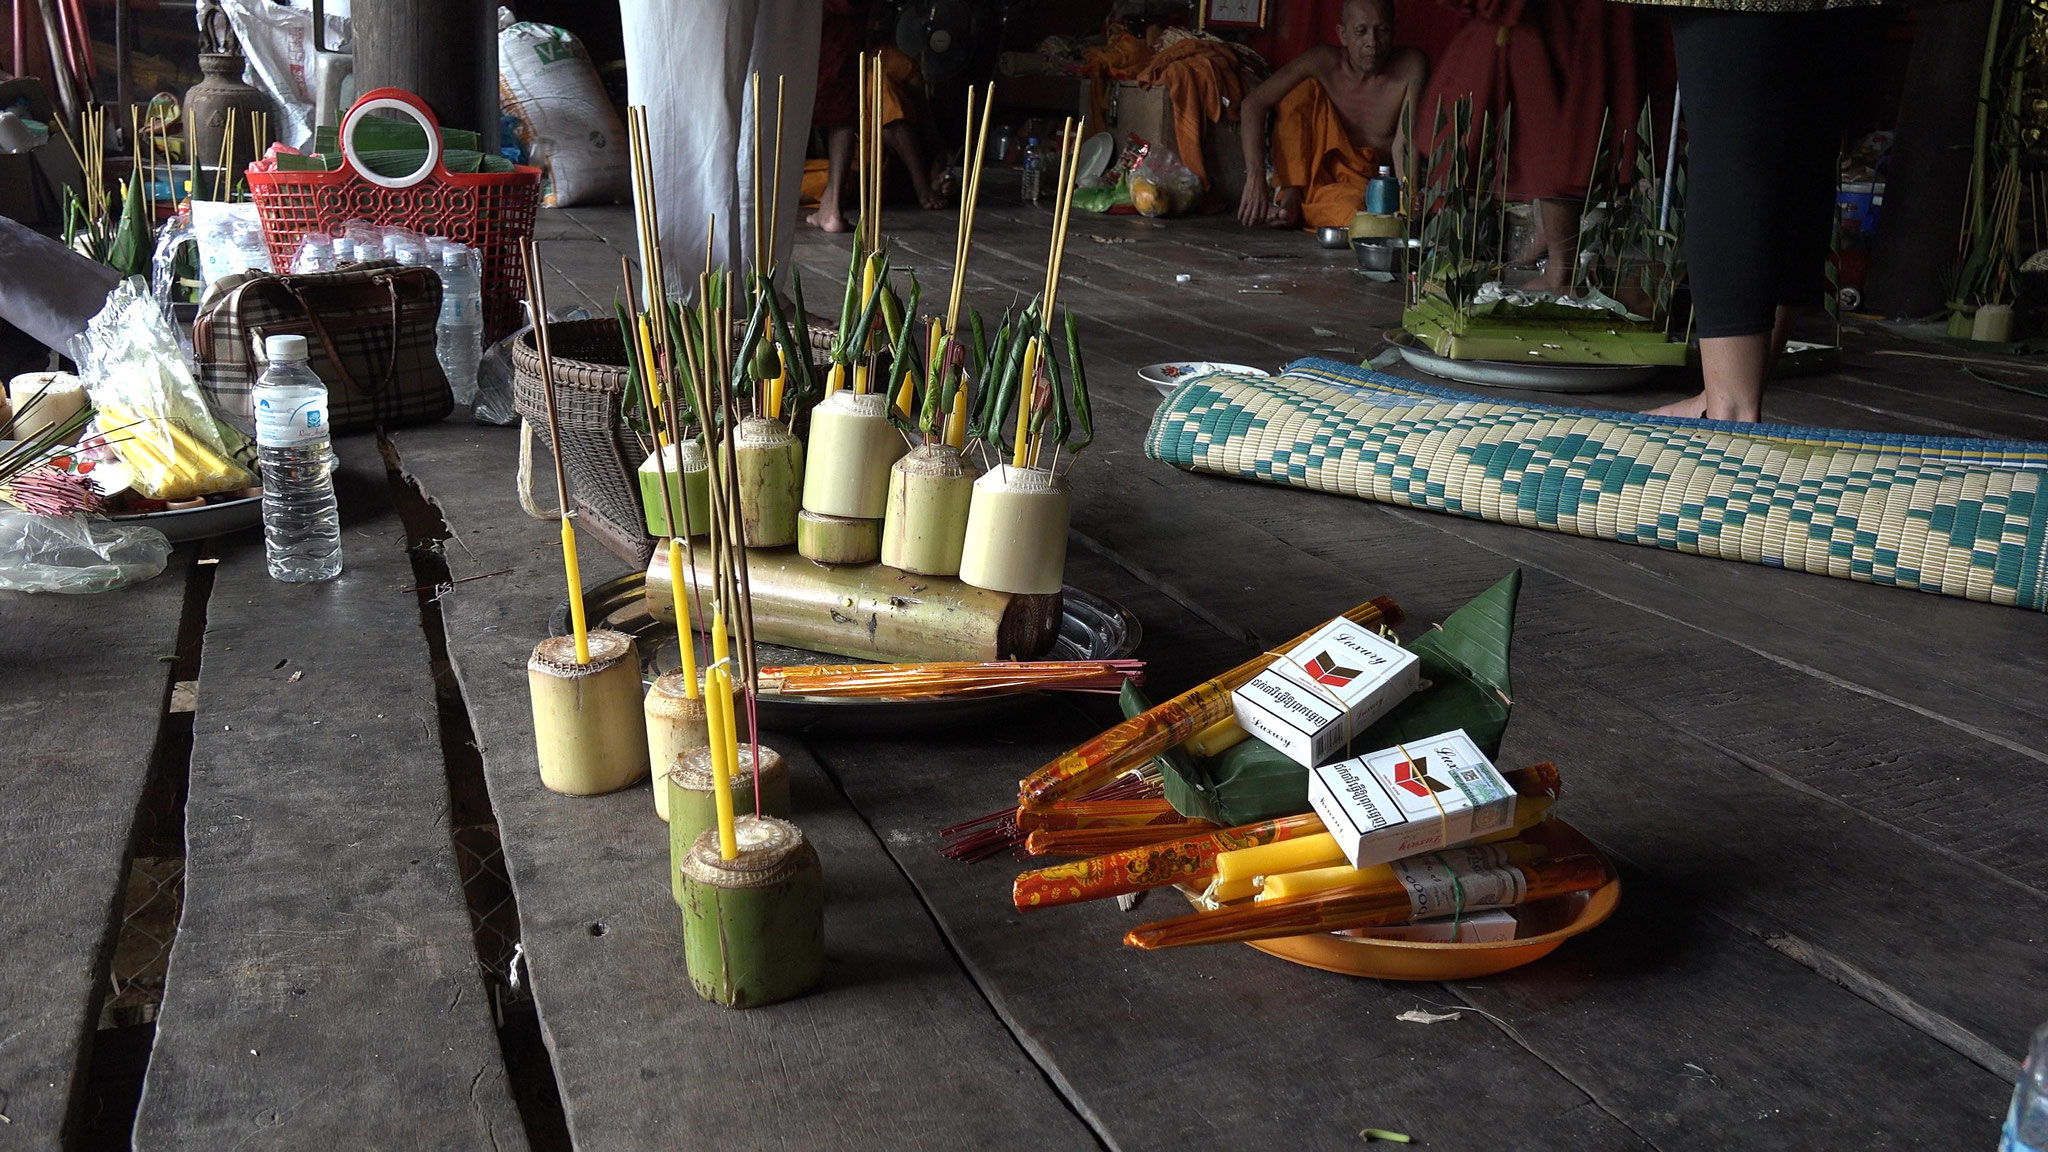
(493, 907)
(1836, 970)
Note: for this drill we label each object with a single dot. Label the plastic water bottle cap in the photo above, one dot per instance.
(285, 348)
(1386, 170)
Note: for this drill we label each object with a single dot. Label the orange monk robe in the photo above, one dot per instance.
(1311, 150)
(1201, 78)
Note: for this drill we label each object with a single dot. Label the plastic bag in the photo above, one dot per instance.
(76, 554)
(150, 409)
(1163, 186)
(494, 403)
(278, 41)
(566, 122)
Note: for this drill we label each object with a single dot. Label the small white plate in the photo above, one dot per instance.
(1095, 154)
(1173, 373)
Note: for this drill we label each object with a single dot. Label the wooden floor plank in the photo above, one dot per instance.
(897, 1048)
(323, 988)
(82, 698)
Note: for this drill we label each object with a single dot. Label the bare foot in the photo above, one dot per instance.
(1690, 408)
(1286, 211)
(930, 198)
(828, 220)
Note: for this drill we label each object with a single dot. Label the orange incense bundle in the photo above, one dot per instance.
(951, 679)
(1150, 866)
(1144, 736)
(1096, 841)
(1364, 906)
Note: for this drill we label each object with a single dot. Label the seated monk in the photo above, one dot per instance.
(1339, 119)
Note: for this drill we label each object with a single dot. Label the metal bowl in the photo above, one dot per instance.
(1376, 255)
(1334, 236)
(1091, 628)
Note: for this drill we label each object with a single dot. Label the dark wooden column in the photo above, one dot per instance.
(1929, 173)
(444, 50)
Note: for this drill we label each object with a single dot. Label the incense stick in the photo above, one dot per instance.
(775, 193)
(536, 291)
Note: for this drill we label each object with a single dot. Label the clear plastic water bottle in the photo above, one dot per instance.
(301, 526)
(1034, 170)
(459, 334)
(316, 254)
(2026, 1122)
(251, 253)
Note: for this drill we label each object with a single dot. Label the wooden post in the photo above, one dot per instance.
(446, 52)
(1930, 162)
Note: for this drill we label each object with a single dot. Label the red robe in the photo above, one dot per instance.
(1562, 64)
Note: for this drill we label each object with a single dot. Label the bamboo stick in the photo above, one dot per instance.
(536, 291)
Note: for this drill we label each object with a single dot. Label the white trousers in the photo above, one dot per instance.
(691, 62)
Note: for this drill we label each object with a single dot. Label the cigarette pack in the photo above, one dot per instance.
(1415, 797)
(1321, 693)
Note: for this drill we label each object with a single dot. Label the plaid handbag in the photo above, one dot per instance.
(369, 328)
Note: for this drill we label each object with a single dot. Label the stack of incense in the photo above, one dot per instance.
(753, 918)
(1144, 736)
(1017, 524)
(589, 734)
(924, 527)
(692, 794)
(674, 709)
(950, 679)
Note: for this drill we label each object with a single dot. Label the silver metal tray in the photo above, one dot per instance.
(1512, 374)
(1091, 628)
(182, 524)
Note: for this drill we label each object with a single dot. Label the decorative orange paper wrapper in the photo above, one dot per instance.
(1151, 733)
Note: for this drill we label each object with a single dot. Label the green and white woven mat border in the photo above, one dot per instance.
(1960, 517)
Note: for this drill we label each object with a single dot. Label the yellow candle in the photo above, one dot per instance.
(574, 571)
(684, 638)
(1286, 885)
(721, 647)
(956, 427)
(837, 379)
(723, 758)
(1024, 402)
(653, 377)
(904, 394)
(1280, 856)
(1216, 739)
(860, 379)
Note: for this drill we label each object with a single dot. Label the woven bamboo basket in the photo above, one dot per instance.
(600, 453)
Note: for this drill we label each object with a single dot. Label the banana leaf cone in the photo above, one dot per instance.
(1465, 664)
(693, 805)
(754, 926)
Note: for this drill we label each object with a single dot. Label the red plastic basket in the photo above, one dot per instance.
(491, 212)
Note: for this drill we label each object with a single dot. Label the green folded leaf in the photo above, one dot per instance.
(1464, 661)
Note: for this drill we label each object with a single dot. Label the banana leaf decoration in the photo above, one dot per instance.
(1465, 665)
(132, 247)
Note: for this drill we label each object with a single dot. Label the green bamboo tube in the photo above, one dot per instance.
(770, 463)
(675, 725)
(874, 612)
(846, 469)
(588, 728)
(838, 539)
(754, 926)
(693, 805)
(689, 487)
(926, 526)
(1017, 531)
